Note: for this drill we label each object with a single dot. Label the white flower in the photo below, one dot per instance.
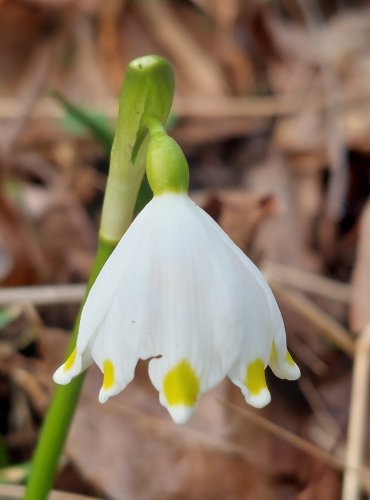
(176, 289)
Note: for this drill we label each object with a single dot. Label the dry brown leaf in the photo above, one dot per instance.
(360, 305)
(343, 37)
(130, 455)
(196, 64)
(17, 492)
(66, 236)
(22, 262)
(208, 130)
(286, 237)
(325, 483)
(238, 212)
(129, 447)
(303, 132)
(21, 28)
(109, 42)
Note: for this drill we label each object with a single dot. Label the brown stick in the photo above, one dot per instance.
(43, 295)
(17, 492)
(358, 418)
(300, 443)
(307, 282)
(333, 330)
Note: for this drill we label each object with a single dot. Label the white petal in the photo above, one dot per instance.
(180, 414)
(281, 364)
(254, 352)
(189, 271)
(113, 272)
(259, 400)
(205, 291)
(73, 366)
(110, 345)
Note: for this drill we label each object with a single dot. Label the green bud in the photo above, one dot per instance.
(166, 166)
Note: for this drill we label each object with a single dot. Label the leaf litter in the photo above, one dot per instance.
(260, 147)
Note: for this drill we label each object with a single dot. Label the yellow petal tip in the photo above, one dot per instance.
(289, 359)
(255, 380)
(70, 361)
(108, 370)
(181, 385)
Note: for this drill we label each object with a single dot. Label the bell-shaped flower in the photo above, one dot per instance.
(176, 290)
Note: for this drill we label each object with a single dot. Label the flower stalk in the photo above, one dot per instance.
(147, 90)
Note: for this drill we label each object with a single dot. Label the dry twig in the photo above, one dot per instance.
(307, 282)
(190, 56)
(358, 418)
(43, 295)
(333, 330)
(16, 492)
(301, 444)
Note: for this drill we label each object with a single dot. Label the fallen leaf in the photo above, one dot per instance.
(238, 211)
(129, 447)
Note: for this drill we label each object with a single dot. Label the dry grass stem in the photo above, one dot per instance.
(358, 418)
(308, 356)
(300, 443)
(336, 146)
(333, 330)
(184, 106)
(314, 400)
(254, 107)
(189, 107)
(306, 281)
(8, 491)
(359, 313)
(43, 295)
(193, 59)
(216, 442)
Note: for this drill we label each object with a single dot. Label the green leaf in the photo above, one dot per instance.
(9, 314)
(79, 119)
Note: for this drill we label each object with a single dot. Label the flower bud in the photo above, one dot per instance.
(166, 166)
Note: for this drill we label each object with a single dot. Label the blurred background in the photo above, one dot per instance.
(272, 109)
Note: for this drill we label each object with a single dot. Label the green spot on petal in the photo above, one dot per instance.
(255, 377)
(181, 385)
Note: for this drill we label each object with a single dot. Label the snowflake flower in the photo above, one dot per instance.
(176, 290)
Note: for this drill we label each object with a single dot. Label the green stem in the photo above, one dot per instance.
(102, 132)
(148, 89)
(58, 420)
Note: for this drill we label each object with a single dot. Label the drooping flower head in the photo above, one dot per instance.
(176, 290)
